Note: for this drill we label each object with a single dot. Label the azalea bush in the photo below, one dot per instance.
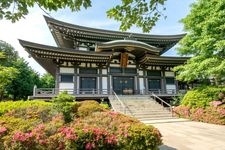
(91, 127)
(211, 114)
(12, 105)
(88, 107)
(201, 96)
(205, 104)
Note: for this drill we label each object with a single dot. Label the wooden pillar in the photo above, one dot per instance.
(57, 79)
(75, 80)
(137, 81)
(163, 80)
(100, 80)
(145, 81)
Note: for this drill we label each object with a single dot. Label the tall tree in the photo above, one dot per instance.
(22, 85)
(16, 83)
(205, 41)
(10, 55)
(7, 74)
(47, 81)
(142, 13)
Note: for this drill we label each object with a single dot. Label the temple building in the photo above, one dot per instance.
(95, 61)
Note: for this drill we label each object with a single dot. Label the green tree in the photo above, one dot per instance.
(205, 41)
(16, 83)
(22, 85)
(47, 81)
(7, 74)
(142, 13)
(10, 54)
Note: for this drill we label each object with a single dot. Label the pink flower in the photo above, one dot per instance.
(19, 136)
(2, 130)
(221, 111)
(215, 103)
(68, 132)
(89, 146)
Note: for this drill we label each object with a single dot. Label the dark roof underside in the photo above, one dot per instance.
(49, 56)
(46, 55)
(163, 61)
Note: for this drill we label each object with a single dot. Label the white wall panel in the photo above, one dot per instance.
(170, 88)
(83, 65)
(114, 65)
(131, 66)
(141, 84)
(141, 73)
(104, 84)
(169, 74)
(66, 86)
(66, 70)
(104, 71)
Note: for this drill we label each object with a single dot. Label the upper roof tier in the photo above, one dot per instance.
(71, 36)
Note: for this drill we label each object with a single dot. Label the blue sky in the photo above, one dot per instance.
(34, 28)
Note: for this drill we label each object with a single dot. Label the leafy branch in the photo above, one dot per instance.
(142, 13)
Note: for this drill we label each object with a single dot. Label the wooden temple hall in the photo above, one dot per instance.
(91, 61)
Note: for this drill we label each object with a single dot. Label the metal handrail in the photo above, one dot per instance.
(163, 102)
(121, 103)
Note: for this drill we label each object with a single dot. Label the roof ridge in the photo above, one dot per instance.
(70, 25)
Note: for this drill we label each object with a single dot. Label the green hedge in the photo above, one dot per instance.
(10, 105)
(201, 96)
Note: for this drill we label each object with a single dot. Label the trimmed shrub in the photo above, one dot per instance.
(96, 128)
(200, 97)
(42, 113)
(182, 111)
(64, 103)
(13, 124)
(10, 105)
(215, 115)
(88, 107)
(130, 133)
(140, 136)
(63, 97)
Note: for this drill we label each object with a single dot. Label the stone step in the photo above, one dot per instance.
(142, 108)
(152, 118)
(149, 113)
(168, 120)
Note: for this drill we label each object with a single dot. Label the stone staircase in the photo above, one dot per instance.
(141, 107)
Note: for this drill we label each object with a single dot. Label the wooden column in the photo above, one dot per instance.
(163, 80)
(57, 79)
(75, 80)
(100, 80)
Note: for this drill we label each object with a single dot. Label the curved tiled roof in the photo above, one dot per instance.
(64, 33)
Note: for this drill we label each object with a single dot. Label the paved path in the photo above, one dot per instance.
(189, 135)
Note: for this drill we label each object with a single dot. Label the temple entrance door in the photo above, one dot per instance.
(123, 85)
(87, 84)
(154, 85)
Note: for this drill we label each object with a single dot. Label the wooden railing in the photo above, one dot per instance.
(55, 91)
(163, 92)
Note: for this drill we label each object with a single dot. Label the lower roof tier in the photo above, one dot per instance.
(49, 57)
